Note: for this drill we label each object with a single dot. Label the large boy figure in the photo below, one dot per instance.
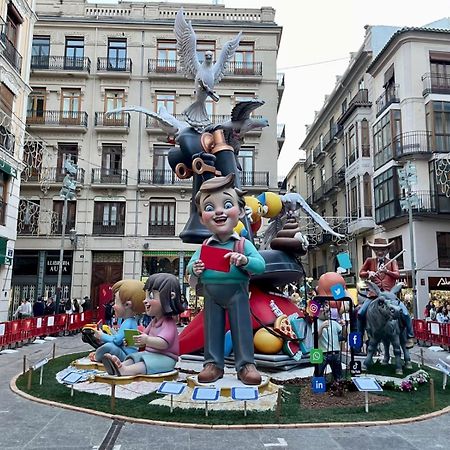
(220, 207)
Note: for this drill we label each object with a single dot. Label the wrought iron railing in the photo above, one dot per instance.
(435, 83)
(7, 140)
(412, 142)
(112, 120)
(233, 67)
(249, 178)
(361, 98)
(47, 117)
(67, 63)
(389, 96)
(109, 176)
(10, 52)
(114, 65)
(161, 230)
(57, 228)
(160, 176)
(108, 227)
(53, 175)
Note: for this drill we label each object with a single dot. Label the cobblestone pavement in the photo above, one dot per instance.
(30, 425)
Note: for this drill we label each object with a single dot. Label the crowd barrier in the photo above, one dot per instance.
(21, 331)
(432, 333)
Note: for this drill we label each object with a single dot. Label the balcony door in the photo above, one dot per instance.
(244, 58)
(167, 56)
(162, 172)
(58, 206)
(65, 151)
(166, 99)
(109, 218)
(74, 53)
(70, 106)
(40, 52)
(117, 54)
(111, 163)
(246, 161)
(36, 106)
(114, 99)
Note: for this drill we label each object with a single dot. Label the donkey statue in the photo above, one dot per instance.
(383, 325)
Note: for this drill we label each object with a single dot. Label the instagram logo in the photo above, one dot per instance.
(314, 308)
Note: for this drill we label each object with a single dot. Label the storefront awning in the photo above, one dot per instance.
(5, 167)
(5, 258)
(167, 253)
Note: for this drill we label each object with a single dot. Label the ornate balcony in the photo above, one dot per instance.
(170, 67)
(159, 177)
(55, 119)
(57, 64)
(281, 135)
(161, 230)
(7, 140)
(389, 96)
(435, 83)
(112, 177)
(114, 122)
(50, 175)
(361, 99)
(412, 143)
(108, 227)
(254, 178)
(57, 226)
(115, 66)
(9, 52)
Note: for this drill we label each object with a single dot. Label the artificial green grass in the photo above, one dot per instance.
(403, 404)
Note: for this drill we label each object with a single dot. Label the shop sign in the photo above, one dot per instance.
(52, 266)
(439, 283)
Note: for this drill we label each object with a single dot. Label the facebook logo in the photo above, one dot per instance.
(338, 291)
(318, 385)
(354, 340)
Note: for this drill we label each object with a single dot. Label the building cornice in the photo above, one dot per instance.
(403, 36)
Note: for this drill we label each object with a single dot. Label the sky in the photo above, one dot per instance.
(317, 39)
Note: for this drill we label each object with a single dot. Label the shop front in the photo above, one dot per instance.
(35, 273)
(439, 289)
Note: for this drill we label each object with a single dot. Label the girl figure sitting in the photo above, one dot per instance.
(160, 338)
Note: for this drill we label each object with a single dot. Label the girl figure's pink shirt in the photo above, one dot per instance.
(164, 328)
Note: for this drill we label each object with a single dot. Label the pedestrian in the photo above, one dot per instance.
(68, 306)
(24, 309)
(38, 307)
(49, 308)
(76, 306)
(86, 303)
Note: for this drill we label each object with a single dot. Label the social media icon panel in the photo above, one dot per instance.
(318, 385)
(354, 340)
(338, 291)
(316, 356)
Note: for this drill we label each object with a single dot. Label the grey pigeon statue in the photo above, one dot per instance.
(241, 122)
(206, 74)
(167, 122)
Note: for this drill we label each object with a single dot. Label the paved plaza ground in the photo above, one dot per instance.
(30, 425)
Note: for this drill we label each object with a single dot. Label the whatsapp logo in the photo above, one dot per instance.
(316, 356)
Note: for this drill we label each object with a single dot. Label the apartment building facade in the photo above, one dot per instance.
(130, 207)
(392, 105)
(16, 27)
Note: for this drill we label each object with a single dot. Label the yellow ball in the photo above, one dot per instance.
(266, 342)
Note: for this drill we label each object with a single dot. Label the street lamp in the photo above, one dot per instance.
(407, 177)
(68, 192)
(73, 238)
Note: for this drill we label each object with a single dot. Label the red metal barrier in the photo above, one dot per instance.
(3, 334)
(420, 330)
(40, 326)
(74, 322)
(13, 332)
(26, 329)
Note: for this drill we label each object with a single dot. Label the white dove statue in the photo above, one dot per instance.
(206, 74)
(167, 122)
